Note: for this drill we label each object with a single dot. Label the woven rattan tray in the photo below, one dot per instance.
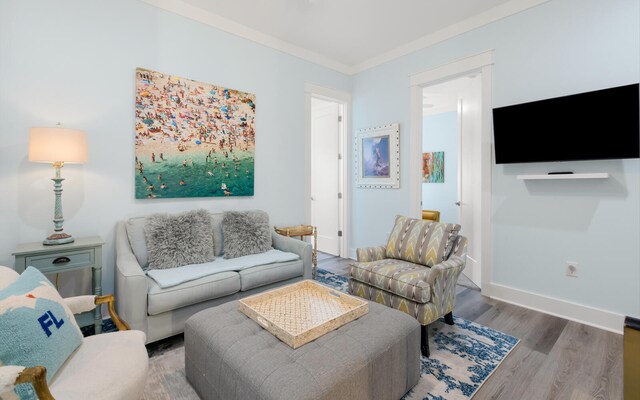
(300, 313)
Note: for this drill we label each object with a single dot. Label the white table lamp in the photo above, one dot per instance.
(57, 146)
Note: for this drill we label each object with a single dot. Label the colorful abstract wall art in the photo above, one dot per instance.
(193, 139)
(433, 167)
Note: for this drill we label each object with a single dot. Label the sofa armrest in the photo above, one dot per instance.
(366, 254)
(299, 247)
(131, 283)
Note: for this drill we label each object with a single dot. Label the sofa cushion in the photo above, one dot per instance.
(135, 233)
(421, 241)
(179, 239)
(192, 292)
(216, 225)
(246, 232)
(400, 277)
(175, 276)
(114, 365)
(265, 274)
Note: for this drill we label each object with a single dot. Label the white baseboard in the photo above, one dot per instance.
(598, 318)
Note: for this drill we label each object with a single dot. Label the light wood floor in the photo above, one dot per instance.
(555, 359)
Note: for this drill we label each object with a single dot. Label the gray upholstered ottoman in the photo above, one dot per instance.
(229, 356)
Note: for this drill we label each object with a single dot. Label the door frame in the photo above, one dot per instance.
(344, 98)
(482, 63)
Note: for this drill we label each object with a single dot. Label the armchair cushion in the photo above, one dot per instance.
(402, 278)
(366, 254)
(48, 332)
(425, 313)
(107, 366)
(421, 241)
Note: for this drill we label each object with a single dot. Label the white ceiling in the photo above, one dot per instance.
(346, 35)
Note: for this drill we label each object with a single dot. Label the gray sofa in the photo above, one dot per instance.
(162, 312)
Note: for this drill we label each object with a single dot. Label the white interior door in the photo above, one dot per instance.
(476, 186)
(470, 117)
(325, 174)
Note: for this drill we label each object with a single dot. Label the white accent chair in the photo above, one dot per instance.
(107, 366)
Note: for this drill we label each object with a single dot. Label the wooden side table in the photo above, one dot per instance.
(83, 253)
(302, 231)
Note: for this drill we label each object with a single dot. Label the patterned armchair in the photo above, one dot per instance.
(416, 272)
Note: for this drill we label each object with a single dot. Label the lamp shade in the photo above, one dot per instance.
(49, 145)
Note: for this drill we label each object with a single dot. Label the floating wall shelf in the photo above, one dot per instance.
(595, 175)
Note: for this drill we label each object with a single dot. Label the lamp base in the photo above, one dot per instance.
(58, 238)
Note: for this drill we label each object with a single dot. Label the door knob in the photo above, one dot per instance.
(458, 203)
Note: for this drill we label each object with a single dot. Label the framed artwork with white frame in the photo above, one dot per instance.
(377, 157)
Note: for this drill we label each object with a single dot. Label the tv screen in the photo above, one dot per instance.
(604, 124)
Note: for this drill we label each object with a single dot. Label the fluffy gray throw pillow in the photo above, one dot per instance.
(245, 232)
(179, 239)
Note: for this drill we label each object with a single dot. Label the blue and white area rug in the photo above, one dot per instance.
(463, 356)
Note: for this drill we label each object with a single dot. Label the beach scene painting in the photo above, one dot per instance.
(433, 167)
(193, 139)
(375, 157)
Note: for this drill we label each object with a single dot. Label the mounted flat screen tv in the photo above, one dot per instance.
(599, 125)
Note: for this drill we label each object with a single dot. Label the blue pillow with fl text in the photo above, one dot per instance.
(36, 327)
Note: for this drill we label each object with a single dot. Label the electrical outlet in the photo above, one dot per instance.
(572, 269)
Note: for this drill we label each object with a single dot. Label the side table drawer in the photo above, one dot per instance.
(61, 261)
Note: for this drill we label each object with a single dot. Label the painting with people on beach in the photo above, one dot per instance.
(193, 139)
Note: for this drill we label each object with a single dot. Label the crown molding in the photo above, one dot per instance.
(469, 24)
(208, 18)
(224, 24)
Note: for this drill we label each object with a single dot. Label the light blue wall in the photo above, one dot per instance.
(557, 48)
(74, 61)
(440, 133)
